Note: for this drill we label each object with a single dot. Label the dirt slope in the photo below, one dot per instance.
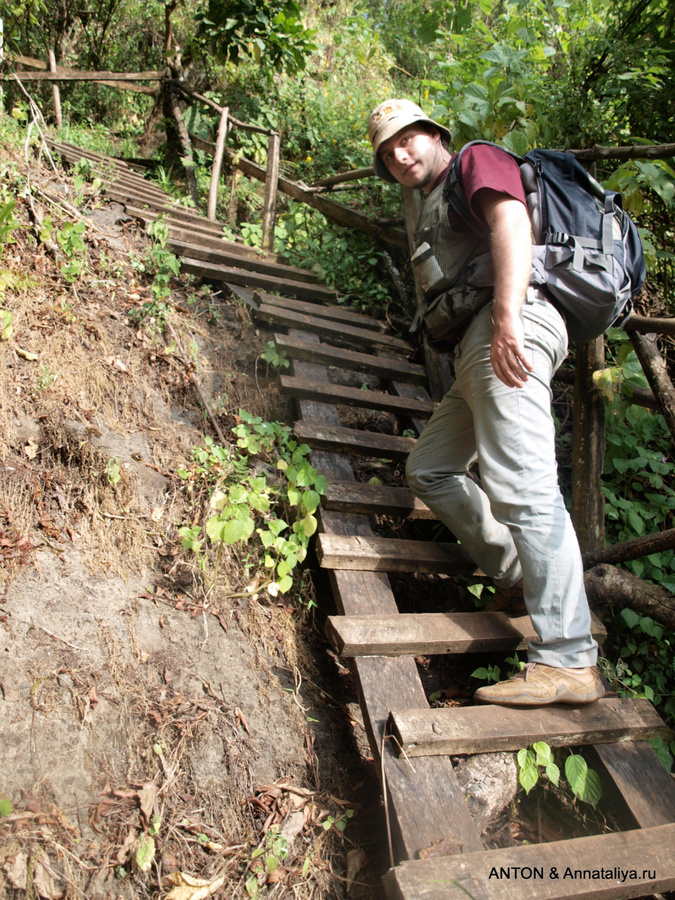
(151, 732)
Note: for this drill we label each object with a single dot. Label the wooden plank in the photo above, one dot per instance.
(384, 366)
(430, 634)
(376, 500)
(74, 75)
(225, 258)
(337, 393)
(488, 728)
(642, 792)
(626, 864)
(350, 440)
(374, 554)
(212, 236)
(326, 311)
(426, 802)
(276, 315)
(215, 272)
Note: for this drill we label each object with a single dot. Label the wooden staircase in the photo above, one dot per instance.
(410, 741)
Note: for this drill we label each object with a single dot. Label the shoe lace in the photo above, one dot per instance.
(526, 672)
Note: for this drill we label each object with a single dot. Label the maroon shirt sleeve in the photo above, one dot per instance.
(483, 166)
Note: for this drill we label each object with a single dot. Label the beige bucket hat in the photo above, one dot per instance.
(388, 119)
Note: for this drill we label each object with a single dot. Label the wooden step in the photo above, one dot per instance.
(627, 864)
(275, 315)
(212, 236)
(374, 554)
(215, 272)
(489, 728)
(432, 634)
(324, 311)
(225, 258)
(376, 500)
(350, 440)
(382, 366)
(336, 393)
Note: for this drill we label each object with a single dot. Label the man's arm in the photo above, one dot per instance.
(511, 244)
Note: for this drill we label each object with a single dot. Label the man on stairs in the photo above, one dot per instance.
(498, 411)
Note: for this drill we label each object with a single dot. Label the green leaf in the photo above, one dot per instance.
(544, 754)
(528, 777)
(145, 853)
(584, 782)
(553, 773)
(5, 806)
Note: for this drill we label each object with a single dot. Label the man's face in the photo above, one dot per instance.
(415, 157)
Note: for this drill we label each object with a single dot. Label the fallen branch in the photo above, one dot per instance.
(608, 586)
(195, 381)
(634, 549)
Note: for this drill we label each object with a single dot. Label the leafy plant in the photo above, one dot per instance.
(538, 761)
(265, 860)
(274, 358)
(247, 506)
(7, 224)
(70, 239)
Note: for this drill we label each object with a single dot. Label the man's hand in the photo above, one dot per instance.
(507, 353)
(511, 244)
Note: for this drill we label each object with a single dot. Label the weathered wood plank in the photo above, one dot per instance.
(376, 500)
(374, 554)
(426, 802)
(627, 864)
(384, 366)
(336, 393)
(486, 729)
(351, 440)
(213, 237)
(429, 634)
(275, 315)
(225, 258)
(215, 272)
(640, 789)
(325, 311)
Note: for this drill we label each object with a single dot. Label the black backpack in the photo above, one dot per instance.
(587, 251)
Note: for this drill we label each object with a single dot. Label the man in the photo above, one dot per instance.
(498, 410)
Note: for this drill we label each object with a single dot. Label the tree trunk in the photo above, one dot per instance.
(179, 139)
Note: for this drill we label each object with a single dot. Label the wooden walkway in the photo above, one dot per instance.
(410, 741)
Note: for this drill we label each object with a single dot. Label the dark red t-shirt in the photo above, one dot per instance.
(483, 166)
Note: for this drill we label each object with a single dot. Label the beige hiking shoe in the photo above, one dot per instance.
(539, 685)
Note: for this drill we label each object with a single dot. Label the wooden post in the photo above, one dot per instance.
(55, 90)
(437, 361)
(217, 162)
(588, 449)
(271, 188)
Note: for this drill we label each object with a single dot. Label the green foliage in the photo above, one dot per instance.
(250, 507)
(538, 761)
(279, 360)
(70, 239)
(490, 674)
(162, 265)
(645, 665)
(266, 859)
(5, 807)
(271, 33)
(639, 466)
(7, 224)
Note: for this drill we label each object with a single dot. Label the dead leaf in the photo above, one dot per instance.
(190, 888)
(242, 718)
(31, 357)
(31, 449)
(356, 860)
(16, 869)
(93, 699)
(147, 798)
(43, 881)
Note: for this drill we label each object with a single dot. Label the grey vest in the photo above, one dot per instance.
(453, 267)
